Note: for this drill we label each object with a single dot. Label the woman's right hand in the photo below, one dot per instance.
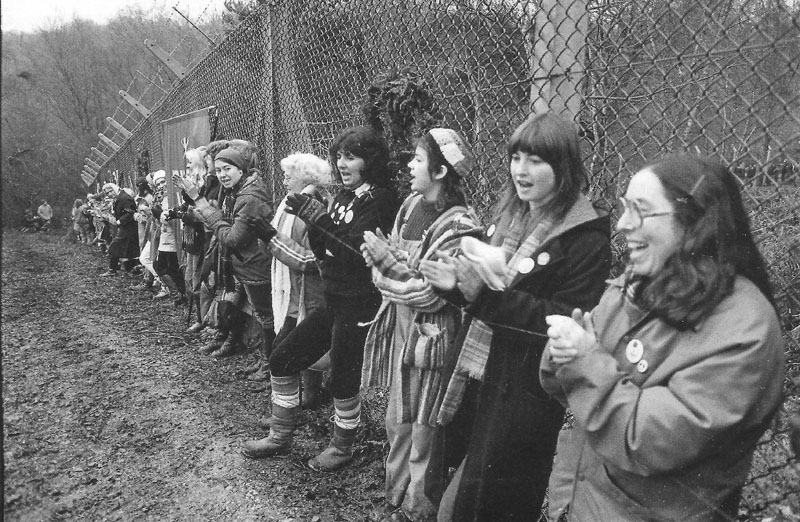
(441, 274)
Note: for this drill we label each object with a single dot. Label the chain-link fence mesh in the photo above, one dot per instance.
(640, 77)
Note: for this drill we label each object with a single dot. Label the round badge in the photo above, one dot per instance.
(490, 230)
(642, 366)
(634, 351)
(543, 258)
(348, 217)
(340, 210)
(526, 265)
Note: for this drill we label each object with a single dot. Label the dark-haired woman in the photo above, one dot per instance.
(675, 375)
(365, 204)
(555, 254)
(410, 345)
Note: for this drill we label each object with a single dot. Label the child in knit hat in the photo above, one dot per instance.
(411, 339)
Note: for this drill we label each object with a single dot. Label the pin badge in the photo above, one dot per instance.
(634, 351)
(543, 258)
(490, 230)
(348, 217)
(642, 366)
(526, 265)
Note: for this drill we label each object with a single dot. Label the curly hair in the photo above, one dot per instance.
(308, 168)
(717, 242)
(368, 145)
(555, 140)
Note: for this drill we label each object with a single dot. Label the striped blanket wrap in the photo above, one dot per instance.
(429, 349)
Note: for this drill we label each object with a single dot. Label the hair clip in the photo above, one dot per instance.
(697, 185)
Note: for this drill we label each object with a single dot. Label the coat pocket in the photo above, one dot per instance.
(426, 345)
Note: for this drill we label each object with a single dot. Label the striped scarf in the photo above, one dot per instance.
(474, 352)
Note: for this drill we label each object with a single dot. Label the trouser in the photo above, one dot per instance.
(194, 265)
(128, 264)
(334, 326)
(146, 258)
(411, 470)
(166, 264)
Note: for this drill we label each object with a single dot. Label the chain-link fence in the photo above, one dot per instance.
(640, 77)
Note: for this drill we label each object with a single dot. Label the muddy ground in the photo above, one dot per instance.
(110, 414)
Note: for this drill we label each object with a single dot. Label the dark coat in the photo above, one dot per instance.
(126, 243)
(510, 453)
(336, 239)
(249, 256)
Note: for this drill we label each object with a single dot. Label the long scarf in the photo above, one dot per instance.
(474, 352)
(281, 275)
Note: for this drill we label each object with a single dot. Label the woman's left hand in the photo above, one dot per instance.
(190, 187)
(570, 337)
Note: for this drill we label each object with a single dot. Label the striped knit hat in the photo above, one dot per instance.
(454, 150)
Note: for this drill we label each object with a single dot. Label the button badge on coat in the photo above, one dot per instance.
(642, 366)
(634, 351)
(526, 265)
(348, 217)
(490, 230)
(543, 258)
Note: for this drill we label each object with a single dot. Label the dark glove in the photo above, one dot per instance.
(306, 208)
(261, 228)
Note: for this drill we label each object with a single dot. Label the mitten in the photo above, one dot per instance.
(261, 228)
(304, 207)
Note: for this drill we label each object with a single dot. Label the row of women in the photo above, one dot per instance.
(486, 333)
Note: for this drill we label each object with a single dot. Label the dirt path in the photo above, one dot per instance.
(109, 414)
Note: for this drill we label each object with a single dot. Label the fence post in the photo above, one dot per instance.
(556, 38)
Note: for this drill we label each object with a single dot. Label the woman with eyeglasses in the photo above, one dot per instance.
(675, 375)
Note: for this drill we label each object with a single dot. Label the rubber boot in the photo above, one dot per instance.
(280, 435)
(265, 350)
(215, 344)
(233, 345)
(312, 383)
(338, 453)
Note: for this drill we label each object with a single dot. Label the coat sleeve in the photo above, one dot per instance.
(726, 392)
(376, 210)
(292, 253)
(237, 235)
(581, 282)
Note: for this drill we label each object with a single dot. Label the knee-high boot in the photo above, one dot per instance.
(234, 344)
(340, 450)
(265, 350)
(285, 405)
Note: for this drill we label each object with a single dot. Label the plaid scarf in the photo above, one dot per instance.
(475, 350)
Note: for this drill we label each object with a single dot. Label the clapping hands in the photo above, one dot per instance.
(570, 337)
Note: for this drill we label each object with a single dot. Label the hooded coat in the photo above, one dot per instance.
(667, 432)
(514, 434)
(248, 200)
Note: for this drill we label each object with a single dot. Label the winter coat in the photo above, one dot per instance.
(126, 243)
(293, 250)
(514, 434)
(665, 431)
(336, 238)
(249, 199)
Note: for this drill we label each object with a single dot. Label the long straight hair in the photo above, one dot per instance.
(555, 141)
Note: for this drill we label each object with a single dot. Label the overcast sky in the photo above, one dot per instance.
(30, 15)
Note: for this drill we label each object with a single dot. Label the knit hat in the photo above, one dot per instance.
(235, 158)
(454, 150)
(158, 176)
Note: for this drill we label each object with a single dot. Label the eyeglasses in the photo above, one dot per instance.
(635, 214)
